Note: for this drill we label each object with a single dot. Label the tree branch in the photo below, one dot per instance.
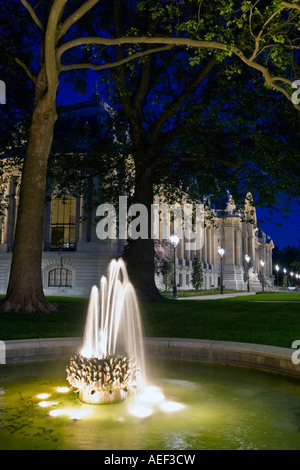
(117, 63)
(26, 69)
(145, 73)
(144, 82)
(19, 62)
(190, 87)
(291, 5)
(258, 37)
(177, 41)
(119, 75)
(74, 17)
(33, 14)
(50, 45)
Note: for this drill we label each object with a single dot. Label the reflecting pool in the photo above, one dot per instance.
(194, 406)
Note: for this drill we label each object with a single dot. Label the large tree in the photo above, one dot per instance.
(261, 35)
(170, 102)
(54, 23)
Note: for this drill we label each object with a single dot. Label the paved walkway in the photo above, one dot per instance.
(217, 296)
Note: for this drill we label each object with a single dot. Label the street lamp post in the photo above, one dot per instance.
(277, 271)
(285, 279)
(262, 263)
(221, 252)
(174, 241)
(247, 258)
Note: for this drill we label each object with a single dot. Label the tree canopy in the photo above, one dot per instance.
(189, 57)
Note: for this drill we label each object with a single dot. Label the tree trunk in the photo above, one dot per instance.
(25, 289)
(140, 258)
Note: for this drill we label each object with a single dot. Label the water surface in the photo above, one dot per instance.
(223, 407)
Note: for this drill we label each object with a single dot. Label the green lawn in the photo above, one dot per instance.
(264, 319)
(69, 321)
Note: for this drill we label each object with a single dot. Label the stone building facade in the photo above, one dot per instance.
(240, 238)
(74, 258)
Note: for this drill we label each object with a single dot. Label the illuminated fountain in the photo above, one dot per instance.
(220, 407)
(111, 363)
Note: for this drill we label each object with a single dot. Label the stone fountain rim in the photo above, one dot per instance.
(263, 357)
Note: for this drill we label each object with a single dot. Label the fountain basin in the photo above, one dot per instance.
(201, 406)
(269, 358)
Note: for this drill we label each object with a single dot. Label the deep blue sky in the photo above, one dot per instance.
(284, 229)
(286, 234)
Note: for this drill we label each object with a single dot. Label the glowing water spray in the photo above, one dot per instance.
(111, 362)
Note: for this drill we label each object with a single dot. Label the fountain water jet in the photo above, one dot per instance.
(112, 360)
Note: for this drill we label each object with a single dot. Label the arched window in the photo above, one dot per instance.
(63, 224)
(60, 277)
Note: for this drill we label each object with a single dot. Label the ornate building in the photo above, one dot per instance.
(74, 258)
(247, 259)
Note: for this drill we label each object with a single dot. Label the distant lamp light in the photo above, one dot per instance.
(174, 241)
(262, 263)
(277, 271)
(221, 253)
(247, 259)
(285, 278)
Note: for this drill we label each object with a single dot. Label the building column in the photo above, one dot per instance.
(232, 271)
(252, 252)
(229, 255)
(240, 267)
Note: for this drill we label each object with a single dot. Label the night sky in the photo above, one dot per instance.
(286, 234)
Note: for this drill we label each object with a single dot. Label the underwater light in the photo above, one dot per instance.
(44, 404)
(72, 414)
(56, 412)
(62, 389)
(140, 411)
(170, 406)
(151, 394)
(43, 396)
